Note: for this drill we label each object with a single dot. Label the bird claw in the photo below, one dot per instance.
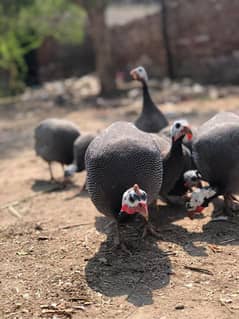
(119, 244)
(149, 230)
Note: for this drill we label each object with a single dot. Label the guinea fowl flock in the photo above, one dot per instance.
(130, 165)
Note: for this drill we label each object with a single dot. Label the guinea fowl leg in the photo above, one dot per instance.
(118, 242)
(51, 172)
(150, 230)
(62, 167)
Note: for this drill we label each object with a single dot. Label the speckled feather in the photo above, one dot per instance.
(216, 152)
(118, 158)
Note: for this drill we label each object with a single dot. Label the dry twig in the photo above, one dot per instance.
(201, 270)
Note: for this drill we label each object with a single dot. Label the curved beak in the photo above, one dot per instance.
(134, 74)
(188, 132)
(142, 209)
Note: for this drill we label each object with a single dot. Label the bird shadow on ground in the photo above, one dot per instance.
(196, 243)
(81, 193)
(47, 186)
(114, 273)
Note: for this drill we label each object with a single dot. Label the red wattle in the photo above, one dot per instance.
(127, 209)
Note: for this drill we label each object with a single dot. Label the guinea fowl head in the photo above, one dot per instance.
(192, 178)
(139, 74)
(199, 199)
(70, 170)
(180, 129)
(134, 200)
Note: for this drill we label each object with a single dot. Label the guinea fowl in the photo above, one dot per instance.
(54, 139)
(176, 160)
(151, 119)
(118, 158)
(216, 155)
(79, 149)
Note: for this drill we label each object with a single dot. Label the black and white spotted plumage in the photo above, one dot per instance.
(118, 158)
(216, 152)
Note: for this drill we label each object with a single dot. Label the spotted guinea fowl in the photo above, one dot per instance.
(118, 158)
(176, 161)
(79, 149)
(216, 155)
(54, 139)
(151, 119)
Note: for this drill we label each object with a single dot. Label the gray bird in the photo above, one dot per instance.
(216, 155)
(118, 158)
(151, 119)
(79, 149)
(54, 139)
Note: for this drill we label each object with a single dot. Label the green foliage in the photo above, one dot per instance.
(24, 26)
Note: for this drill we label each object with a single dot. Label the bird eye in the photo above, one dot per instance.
(143, 196)
(177, 125)
(140, 70)
(136, 197)
(194, 178)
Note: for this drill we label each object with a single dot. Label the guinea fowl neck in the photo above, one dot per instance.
(177, 145)
(147, 100)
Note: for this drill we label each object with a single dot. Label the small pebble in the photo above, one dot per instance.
(179, 306)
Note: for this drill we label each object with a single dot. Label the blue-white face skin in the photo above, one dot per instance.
(139, 74)
(181, 128)
(192, 178)
(132, 198)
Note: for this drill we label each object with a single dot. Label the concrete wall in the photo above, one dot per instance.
(203, 41)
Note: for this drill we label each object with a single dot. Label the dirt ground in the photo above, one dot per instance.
(56, 249)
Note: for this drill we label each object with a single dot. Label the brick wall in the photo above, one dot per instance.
(204, 39)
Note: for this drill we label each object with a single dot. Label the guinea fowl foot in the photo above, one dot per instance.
(149, 230)
(119, 243)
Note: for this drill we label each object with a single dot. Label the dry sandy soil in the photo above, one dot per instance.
(56, 250)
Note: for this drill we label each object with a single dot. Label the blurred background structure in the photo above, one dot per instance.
(48, 40)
